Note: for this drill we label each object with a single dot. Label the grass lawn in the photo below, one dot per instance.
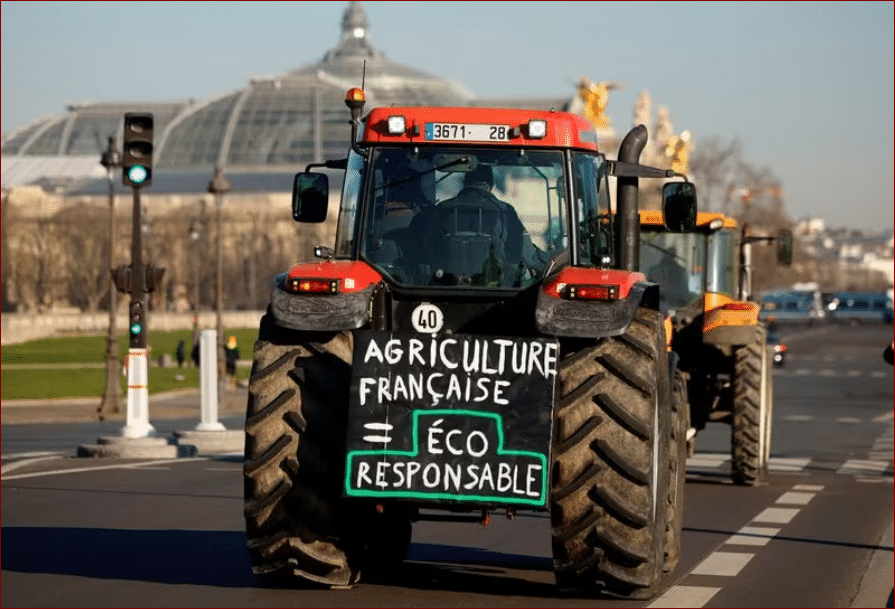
(92, 349)
(68, 381)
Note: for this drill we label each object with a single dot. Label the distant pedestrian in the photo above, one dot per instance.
(889, 353)
(194, 352)
(180, 353)
(231, 354)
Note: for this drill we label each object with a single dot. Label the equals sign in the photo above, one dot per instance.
(383, 428)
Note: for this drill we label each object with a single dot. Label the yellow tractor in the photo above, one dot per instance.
(724, 369)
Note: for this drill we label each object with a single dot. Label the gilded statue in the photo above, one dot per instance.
(678, 151)
(595, 97)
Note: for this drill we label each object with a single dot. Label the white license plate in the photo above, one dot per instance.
(467, 132)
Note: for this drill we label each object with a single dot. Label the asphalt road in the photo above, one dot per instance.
(120, 533)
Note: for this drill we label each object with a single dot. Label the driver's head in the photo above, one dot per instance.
(480, 177)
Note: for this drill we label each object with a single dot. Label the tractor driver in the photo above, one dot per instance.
(672, 279)
(465, 236)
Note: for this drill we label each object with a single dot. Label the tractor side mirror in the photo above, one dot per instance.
(784, 247)
(679, 206)
(310, 195)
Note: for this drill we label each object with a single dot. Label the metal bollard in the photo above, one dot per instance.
(208, 382)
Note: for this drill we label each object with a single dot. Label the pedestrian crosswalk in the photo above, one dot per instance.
(718, 463)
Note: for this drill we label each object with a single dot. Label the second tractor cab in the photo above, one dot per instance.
(725, 365)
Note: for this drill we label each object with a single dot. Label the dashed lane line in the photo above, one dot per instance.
(686, 596)
(795, 498)
(723, 563)
(753, 536)
(776, 515)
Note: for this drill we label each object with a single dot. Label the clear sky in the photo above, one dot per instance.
(806, 87)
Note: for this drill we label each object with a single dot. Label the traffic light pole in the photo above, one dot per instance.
(112, 394)
(137, 424)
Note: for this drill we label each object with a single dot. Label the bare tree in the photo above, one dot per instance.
(84, 254)
(34, 254)
(714, 165)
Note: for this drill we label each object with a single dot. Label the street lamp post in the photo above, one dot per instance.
(219, 186)
(111, 159)
(195, 237)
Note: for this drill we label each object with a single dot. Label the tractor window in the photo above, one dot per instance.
(592, 204)
(675, 262)
(345, 227)
(723, 263)
(465, 217)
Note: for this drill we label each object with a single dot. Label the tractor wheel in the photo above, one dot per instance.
(677, 471)
(298, 528)
(610, 468)
(751, 427)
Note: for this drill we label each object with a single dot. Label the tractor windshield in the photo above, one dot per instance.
(674, 261)
(723, 263)
(465, 217)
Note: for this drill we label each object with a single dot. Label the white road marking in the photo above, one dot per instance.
(808, 487)
(34, 453)
(788, 464)
(874, 480)
(727, 564)
(862, 467)
(776, 515)
(9, 467)
(685, 596)
(793, 498)
(77, 470)
(753, 536)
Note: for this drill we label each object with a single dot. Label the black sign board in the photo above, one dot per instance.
(456, 418)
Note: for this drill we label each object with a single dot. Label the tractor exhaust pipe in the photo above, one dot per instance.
(627, 233)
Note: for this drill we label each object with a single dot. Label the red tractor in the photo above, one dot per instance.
(479, 339)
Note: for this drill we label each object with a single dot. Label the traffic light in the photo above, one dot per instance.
(137, 325)
(152, 278)
(122, 277)
(136, 158)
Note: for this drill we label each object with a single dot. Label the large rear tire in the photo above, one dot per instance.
(751, 426)
(298, 528)
(677, 471)
(610, 468)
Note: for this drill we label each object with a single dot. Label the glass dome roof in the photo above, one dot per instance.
(292, 119)
(300, 116)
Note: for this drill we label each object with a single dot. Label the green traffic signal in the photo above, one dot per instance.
(136, 153)
(136, 328)
(137, 174)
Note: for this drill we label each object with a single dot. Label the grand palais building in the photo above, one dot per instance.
(56, 194)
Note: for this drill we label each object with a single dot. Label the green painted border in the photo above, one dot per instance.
(450, 496)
